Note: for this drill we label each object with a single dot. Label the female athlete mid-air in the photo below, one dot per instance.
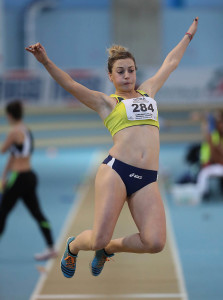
(130, 171)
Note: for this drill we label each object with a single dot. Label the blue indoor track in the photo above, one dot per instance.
(61, 171)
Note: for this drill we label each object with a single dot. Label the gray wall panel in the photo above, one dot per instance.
(137, 25)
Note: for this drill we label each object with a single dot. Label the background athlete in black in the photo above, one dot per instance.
(19, 181)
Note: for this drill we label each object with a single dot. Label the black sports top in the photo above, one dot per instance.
(26, 148)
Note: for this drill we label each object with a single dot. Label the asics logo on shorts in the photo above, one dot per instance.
(135, 176)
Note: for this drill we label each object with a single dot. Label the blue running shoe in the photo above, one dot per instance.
(98, 262)
(68, 262)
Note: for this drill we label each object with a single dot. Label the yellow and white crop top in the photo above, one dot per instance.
(132, 112)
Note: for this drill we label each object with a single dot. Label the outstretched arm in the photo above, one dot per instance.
(153, 84)
(92, 99)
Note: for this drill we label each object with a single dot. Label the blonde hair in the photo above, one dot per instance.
(117, 52)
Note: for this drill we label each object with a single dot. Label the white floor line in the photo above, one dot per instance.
(72, 214)
(120, 296)
(174, 249)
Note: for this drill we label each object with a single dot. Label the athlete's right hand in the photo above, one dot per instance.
(39, 52)
(3, 182)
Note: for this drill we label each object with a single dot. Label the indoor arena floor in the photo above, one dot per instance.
(69, 148)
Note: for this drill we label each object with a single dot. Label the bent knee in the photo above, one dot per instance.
(154, 246)
(99, 243)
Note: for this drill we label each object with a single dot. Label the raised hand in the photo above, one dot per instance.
(39, 52)
(193, 28)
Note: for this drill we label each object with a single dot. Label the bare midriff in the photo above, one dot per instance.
(21, 164)
(137, 146)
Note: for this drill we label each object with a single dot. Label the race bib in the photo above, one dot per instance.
(142, 108)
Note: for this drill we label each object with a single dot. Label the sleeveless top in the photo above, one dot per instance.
(132, 112)
(26, 148)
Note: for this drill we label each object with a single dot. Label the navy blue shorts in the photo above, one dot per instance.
(134, 178)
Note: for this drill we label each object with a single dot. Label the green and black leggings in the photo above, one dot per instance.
(23, 186)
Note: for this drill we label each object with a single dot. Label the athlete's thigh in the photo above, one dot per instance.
(110, 196)
(147, 210)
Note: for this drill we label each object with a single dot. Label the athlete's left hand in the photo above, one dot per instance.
(193, 28)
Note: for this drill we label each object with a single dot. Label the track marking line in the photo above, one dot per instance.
(72, 214)
(83, 190)
(121, 296)
(172, 241)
